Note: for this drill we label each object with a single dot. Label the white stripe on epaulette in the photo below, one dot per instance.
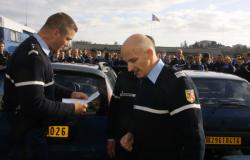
(147, 109)
(180, 74)
(246, 67)
(183, 108)
(127, 94)
(8, 77)
(115, 96)
(33, 51)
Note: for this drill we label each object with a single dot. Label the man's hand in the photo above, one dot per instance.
(127, 141)
(111, 149)
(79, 95)
(80, 108)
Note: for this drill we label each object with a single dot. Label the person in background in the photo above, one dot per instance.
(228, 67)
(68, 55)
(167, 119)
(239, 62)
(30, 91)
(120, 114)
(3, 54)
(75, 57)
(206, 61)
(94, 58)
(61, 57)
(179, 60)
(197, 65)
(244, 70)
(107, 58)
(218, 64)
(190, 62)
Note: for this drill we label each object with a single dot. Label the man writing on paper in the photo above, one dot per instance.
(30, 90)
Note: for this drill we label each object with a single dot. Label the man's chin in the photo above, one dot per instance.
(138, 75)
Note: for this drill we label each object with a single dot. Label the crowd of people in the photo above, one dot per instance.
(239, 65)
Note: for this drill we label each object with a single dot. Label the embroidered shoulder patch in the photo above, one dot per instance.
(190, 96)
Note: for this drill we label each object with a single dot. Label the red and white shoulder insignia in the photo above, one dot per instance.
(190, 95)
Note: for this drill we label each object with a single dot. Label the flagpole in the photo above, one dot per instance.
(151, 28)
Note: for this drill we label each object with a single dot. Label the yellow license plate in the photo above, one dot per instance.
(223, 140)
(58, 131)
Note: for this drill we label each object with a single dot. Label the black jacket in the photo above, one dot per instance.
(167, 118)
(30, 87)
(121, 105)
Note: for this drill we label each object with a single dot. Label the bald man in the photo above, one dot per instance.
(167, 120)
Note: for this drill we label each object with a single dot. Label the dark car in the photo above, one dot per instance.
(80, 137)
(225, 102)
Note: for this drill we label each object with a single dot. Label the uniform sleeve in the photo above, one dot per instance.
(187, 119)
(29, 80)
(113, 110)
(62, 92)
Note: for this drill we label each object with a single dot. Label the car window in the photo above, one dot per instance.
(87, 83)
(223, 89)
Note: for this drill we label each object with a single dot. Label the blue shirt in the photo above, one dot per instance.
(155, 72)
(42, 43)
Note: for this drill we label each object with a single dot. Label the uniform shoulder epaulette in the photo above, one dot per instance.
(33, 50)
(247, 68)
(179, 74)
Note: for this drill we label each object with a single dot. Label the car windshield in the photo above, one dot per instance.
(87, 83)
(223, 90)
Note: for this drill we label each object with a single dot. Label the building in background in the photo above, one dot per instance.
(13, 33)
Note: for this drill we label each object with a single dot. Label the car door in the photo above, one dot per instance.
(80, 137)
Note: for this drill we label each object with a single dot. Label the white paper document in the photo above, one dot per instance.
(82, 101)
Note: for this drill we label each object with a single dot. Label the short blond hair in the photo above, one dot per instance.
(61, 21)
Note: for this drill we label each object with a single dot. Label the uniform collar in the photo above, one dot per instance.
(155, 72)
(42, 43)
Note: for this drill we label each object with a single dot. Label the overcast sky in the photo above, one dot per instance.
(109, 21)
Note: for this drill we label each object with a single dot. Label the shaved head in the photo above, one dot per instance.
(138, 51)
(138, 42)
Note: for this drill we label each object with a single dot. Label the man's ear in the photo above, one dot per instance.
(150, 53)
(56, 32)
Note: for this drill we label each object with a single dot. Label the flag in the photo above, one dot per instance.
(154, 18)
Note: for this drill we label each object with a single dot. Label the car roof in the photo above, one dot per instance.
(210, 74)
(85, 68)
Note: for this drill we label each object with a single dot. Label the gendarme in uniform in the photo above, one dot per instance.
(30, 91)
(121, 111)
(167, 117)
